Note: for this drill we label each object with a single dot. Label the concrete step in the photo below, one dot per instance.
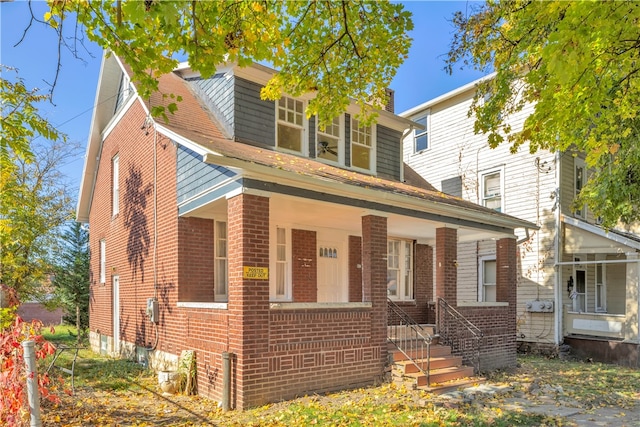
(443, 375)
(436, 351)
(440, 388)
(408, 367)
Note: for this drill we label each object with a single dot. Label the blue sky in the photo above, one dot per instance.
(419, 79)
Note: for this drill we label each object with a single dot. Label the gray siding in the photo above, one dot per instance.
(255, 118)
(452, 186)
(195, 176)
(312, 137)
(388, 153)
(217, 94)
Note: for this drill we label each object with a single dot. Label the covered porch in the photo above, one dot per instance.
(600, 292)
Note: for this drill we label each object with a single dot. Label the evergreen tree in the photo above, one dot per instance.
(71, 279)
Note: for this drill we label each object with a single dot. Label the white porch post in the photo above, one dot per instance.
(632, 321)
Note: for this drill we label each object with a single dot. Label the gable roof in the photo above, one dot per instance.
(195, 127)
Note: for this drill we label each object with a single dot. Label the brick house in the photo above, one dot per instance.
(259, 235)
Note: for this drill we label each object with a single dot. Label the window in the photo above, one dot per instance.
(115, 176)
(579, 180)
(281, 282)
(487, 279)
(124, 90)
(362, 148)
(601, 288)
(421, 136)
(491, 189)
(221, 265)
(400, 269)
(330, 141)
(103, 261)
(290, 126)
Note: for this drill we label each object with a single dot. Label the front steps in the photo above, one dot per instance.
(446, 371)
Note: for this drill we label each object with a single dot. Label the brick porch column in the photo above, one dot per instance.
(506, 276)
(248, 307)
(374, 278)
(446, 268)
(424, 282)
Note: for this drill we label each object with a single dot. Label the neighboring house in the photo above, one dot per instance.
(576, 282)
(240, 229)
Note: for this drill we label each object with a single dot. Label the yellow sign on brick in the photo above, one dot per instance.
(255, 273)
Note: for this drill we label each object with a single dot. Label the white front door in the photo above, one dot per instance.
(331, 284)
(116, 315)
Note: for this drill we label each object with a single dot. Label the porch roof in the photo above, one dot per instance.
(583, 237)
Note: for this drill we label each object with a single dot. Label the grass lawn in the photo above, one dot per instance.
(115, 392)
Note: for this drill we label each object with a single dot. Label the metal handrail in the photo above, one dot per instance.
(459, 333)
(409, 337)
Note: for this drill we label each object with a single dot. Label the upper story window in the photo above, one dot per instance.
(421, 136)
(400, 269)
(331, 141)
(578, 183)
(115, 187)
(290, 126)
(492, 189)
(124, 90)
(362, 146)
(103, 261)
(221, 263)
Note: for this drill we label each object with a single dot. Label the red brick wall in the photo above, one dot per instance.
(304, 266)
(446, 268)
(196, 259)
(355, 269)
(498, 324)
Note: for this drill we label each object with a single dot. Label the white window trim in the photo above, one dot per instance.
(304, 143)
(115, 185)
(341, 139)
(273, 261)
(579, 163)
(576, 268)
(221, 297)
(481, 176)
(103, 261)
(420, 132)
(601, 306)
(481, 284)
(400, 287)
(372, 152)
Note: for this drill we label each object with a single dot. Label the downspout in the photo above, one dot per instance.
(558, 339)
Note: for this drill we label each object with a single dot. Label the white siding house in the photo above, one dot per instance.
(568, 248)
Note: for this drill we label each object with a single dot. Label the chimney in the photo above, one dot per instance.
(388, 105)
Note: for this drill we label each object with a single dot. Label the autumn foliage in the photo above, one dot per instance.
(13, 387)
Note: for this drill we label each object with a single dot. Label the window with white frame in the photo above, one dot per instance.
(400, 269)
(124, 91)
(103, 261)
(115, 187)
(492, 189)
(579, 293)
(578, 183)
(281, 280)
(601, 288)
(221, 262)
(362, 146)
(330, 141)
(290, 126)
(487, 279)
(421, 136)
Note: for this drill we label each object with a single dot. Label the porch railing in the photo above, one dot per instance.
(460, 334)
(409, 337)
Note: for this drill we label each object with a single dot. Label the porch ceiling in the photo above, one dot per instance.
(312, 214)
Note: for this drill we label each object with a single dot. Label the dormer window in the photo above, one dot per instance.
(362, 146)
(290, 126)
(330, 141)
